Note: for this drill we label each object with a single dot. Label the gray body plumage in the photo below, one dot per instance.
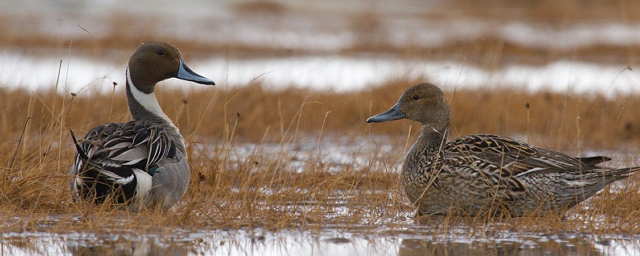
(488, 174)
(174, 177)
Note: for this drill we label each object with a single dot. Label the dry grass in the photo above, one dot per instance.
(550, 10)
(255, 114)
(261, 189)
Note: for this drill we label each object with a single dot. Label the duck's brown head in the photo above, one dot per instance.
(424, 103)
(153, 62)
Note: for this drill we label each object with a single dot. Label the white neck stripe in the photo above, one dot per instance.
(148, 101)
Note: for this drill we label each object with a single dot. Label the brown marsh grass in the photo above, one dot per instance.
(550, 10)
(260, 189)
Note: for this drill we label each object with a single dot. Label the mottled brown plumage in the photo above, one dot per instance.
(487, 174)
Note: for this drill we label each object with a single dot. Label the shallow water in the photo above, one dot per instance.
(332, 73)
(398, 236)
(404, 240)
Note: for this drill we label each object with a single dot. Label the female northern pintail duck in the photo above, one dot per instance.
(487, 174)
(142, 162)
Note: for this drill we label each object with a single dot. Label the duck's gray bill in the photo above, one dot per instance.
(185, 73)
(393, 113)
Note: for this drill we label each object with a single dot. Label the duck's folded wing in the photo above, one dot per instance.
(115, 149)
(504, 161)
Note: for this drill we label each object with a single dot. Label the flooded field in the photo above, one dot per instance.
(329, 73)
(282, 161)
(386, 231)
(405, 241)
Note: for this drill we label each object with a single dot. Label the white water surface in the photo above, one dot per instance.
(408, 241)
(336, 73)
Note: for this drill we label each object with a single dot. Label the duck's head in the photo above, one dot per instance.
(153, 62)
(424, 103)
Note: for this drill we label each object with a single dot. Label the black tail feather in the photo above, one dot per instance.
(594, 160)
(82, 154)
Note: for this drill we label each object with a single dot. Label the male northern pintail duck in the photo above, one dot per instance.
(487, 174)
(142, 162)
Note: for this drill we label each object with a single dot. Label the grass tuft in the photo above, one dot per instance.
(262, 158)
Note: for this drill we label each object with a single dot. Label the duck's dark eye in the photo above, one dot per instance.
(160, 52)
(416, 97)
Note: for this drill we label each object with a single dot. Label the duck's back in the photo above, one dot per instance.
(120, 160)
(480, 172)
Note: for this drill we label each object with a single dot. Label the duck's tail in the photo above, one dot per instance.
(623, 173)
(594, 160)
(81, 152)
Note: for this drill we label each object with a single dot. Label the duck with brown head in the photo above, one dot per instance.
(487, 174)
(142, 162)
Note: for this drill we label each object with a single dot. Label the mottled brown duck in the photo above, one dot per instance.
(487, 174)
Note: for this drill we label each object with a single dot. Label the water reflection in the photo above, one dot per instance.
(415, 247)
(327, 242)
(144, 247)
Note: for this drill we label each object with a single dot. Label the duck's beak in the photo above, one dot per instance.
(185, 73)
(394, 113)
